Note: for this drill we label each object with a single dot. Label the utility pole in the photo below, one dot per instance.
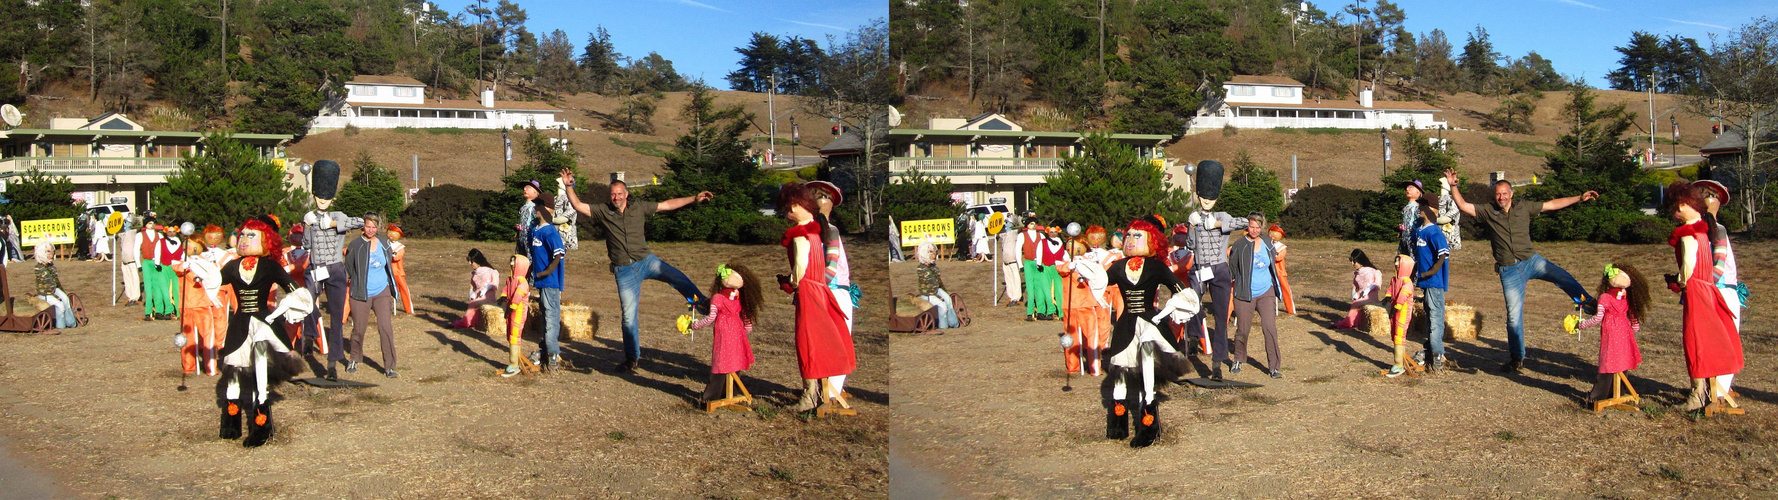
(772, 135)
(1651, 119)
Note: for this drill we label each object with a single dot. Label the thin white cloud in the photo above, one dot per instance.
(1694, 23)
(1582, 4)
(701, 5)
(815, 25)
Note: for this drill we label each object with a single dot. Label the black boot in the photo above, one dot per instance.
(1148, 426)
(259, 429)
(1117, 421)
(231, 421)
(713, 390)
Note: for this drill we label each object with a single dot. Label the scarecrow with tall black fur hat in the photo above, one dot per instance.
(1209, 244)
(254, 358)
(1139, 354)
(324, 237)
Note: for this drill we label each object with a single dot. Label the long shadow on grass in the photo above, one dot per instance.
(464, 349)
(459, 346)
(1347, 349)
(1326, 319)
(603, 353)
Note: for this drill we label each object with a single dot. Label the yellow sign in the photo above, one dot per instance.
(52, 231)
(938, 231)
(114, 223)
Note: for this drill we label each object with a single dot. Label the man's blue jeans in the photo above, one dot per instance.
(629, 295)
(552, 322)
(1512, 284)
(1435, 321)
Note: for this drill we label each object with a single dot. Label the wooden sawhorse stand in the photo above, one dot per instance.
(743, 402)
(1721, 405)
(832, 404)
(1620, 384)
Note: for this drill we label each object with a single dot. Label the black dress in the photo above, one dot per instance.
(1139, 297)
(253, 300)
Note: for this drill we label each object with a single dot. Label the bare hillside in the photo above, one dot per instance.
(1354, 158)
(472, 158)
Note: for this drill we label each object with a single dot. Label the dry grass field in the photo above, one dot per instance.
(95, 408)
(979, 411)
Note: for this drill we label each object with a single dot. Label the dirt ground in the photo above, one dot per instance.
(980, 411)
(96, 407)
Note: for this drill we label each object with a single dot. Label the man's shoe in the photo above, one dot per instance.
(390, 373)
(331, 373)
(351, 367)
(1395, 371)
(510, 371)
(555, 363)
(1027, 318)
(1235, 367)
(1438, 364)
(628, 366)
(1512, 367)
(1277, 374)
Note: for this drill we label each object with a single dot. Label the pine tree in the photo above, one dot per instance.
(39, 196)
(1108, 184)
(712, 156)
(599, 60)
(761, 59)
(226, 185)
(372, 187)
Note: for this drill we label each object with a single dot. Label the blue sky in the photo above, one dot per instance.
(1577, 36)
(699, 36)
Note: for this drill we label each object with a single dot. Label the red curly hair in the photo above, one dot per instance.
(1157, 243)
(269, 238)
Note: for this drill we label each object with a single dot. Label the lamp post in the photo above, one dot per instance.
(795, 135)
(506, 154)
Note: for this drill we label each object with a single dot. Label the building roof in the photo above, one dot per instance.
(1026, 134)
(386, 80)
(463, 105)
(1265, 80)
(1729, 141)
(1345, 105)
(29, 134)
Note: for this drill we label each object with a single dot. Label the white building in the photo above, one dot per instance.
(1276, 101)
(399, 101)
(990, 156)
(113, 156)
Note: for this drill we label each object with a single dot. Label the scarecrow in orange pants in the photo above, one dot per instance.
(398, 264)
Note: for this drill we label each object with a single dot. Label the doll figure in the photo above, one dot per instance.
(1280, 250)
(518, 299)
(1400, 301)
(1139, 355)
(1623, 299)
(398, 266)
(254, 358)
(734, 306)
(1087, 315)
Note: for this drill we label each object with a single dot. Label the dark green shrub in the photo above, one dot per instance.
(1324, 211)
(448, 211)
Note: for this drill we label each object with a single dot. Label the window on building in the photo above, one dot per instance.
(1283, 92)
(364, 90)
(1249, 112)
(1241, 90)
(406, 91)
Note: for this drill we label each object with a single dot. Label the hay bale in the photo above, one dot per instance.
(493, 321)
(577, 320)
(32, 305)
(1377, 320)
(1462, 321)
